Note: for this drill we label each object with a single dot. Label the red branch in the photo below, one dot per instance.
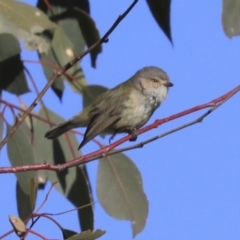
(107, 150)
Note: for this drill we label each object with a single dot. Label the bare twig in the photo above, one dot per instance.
(58, 73)
(46, 197)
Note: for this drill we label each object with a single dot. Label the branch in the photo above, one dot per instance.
(58, 73)
(108, 150)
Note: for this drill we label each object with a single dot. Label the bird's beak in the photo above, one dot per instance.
(169, 84)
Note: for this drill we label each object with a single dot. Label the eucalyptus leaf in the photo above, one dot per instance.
(80, 195)
(64, 52)
(24, 22)
(160, 10)
(120, 191)
(231, 17)
(76, 22)
(26, 202)
(57, 151)
(61, 52)
(20, 152)
(66, 43)
(64, 15)
(88, 235)
(67, 233)
(57, 86)
(73, 183)
(18, 225)
(13, 81)
(90, 33)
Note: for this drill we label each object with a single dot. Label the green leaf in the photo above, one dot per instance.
(33, 194)
(90, 33)
(20, 153)
(50, 153)
(62, 47)
(24, 22)
(76, 23)
(67, 43)
(230, 17)
(67, 233)
(48, 69)
(65, 17)
(160, 10)
(88, 235)
(80, 195)
(26, 202)
(90, 92)
(18, 225)
(24, 16)
(73, 182)
(120, 191)
(64, 52)
(39, 142)
(13, 81)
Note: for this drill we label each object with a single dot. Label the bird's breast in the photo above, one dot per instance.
(137, 110)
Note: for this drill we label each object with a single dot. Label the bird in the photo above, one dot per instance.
(122, 109)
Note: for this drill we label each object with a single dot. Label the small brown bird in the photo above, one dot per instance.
(124, 108)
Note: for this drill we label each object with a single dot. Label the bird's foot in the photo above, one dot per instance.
(133, 132)
(130, 130)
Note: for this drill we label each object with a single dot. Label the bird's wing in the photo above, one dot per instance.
(100, 120)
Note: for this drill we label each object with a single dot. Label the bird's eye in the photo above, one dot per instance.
(154, 80)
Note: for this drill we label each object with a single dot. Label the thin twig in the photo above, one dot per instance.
(46, 197)
(34, 215)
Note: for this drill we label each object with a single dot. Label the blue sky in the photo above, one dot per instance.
(192, 177)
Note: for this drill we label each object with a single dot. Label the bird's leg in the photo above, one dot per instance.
(129, 130)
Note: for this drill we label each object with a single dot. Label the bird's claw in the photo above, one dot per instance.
(133, 132)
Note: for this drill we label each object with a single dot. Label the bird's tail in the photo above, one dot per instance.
(59, 130)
